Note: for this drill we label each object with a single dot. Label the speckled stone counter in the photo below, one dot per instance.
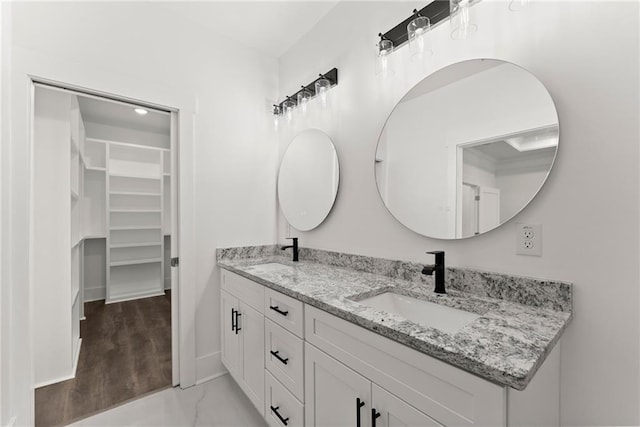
(519, 323)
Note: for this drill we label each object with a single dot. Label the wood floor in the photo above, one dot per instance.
(125, 353)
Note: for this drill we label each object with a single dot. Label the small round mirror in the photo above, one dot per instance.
(308, 179)
(466, 149)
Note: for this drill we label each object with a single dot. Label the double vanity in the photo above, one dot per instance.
(339, 339)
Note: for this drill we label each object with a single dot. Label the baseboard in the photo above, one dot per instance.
(76, 357)
(53, 381)
(95, 294)
(209, 367)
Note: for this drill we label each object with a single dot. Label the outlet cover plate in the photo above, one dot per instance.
(528, 239)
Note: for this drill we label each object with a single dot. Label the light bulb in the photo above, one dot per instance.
(303, 99)
(140, 111)
(385, 48)
(462, 25)
(322, 87)
(288, 105)
(416, 33)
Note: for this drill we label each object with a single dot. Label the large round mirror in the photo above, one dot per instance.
(466, 149)
(308, 179)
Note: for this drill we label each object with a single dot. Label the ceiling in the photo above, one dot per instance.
(120, 114)
(271, 27)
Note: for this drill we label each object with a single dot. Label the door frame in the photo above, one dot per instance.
(29, 67)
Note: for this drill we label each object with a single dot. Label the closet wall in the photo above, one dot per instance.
(58, 145)
(127, 211)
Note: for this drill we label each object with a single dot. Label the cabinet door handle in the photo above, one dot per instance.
(277, 310)
(233, 319)
(275, 354)
(374, 414)
(359, 404)
(275, 411)
(238, 314)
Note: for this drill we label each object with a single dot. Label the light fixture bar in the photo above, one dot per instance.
(331, 75)
(436, 11)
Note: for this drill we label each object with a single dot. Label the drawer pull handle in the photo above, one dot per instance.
(233, 319)
(275, 411)
(237, 323)
(374, 414)
(359, 404)
(275, 354)
(277, 310)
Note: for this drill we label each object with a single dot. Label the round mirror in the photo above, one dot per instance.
(308, 179)
(466, 149)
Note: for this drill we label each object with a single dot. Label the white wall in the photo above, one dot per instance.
(586, 54)
(140, 51)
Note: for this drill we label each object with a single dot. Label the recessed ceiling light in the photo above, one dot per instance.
(140, 111)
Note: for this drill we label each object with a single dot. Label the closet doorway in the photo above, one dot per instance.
(104, 238)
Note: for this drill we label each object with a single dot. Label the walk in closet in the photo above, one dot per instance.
(102, 226)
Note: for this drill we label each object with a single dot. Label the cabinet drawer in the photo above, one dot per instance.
(285, 311)
(244, 289)
(287, 364)
(448, 394)
(281, 405)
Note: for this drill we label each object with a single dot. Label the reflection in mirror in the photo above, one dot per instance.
(308, 179)
(466, 149)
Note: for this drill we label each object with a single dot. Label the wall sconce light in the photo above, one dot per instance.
(416, 31)
(413, 29)
(318, 87)
(462, 22)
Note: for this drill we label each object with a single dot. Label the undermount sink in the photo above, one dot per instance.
(270, 267)
(426, 313)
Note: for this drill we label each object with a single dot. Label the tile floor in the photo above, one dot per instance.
(219, 402)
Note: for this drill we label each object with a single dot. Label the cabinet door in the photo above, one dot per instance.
(231, 350)
(251, 325)
(332, 391)
(395, 412)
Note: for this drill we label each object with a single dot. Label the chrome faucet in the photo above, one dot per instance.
(294, 247)
(438, 269)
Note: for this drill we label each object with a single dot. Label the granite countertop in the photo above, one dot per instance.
(506, 344)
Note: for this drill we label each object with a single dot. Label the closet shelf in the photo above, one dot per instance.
(135, 210)
(135, 245)
(133, 175)
(135, 261)
(94, 236)
(95, 168)
(132, 193)
(141, 227)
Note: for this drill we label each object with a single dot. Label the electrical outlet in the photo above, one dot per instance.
(528, 239)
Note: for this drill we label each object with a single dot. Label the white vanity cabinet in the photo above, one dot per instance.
(316, 369)
(337, 395)
(412, 379)
(242, 321)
